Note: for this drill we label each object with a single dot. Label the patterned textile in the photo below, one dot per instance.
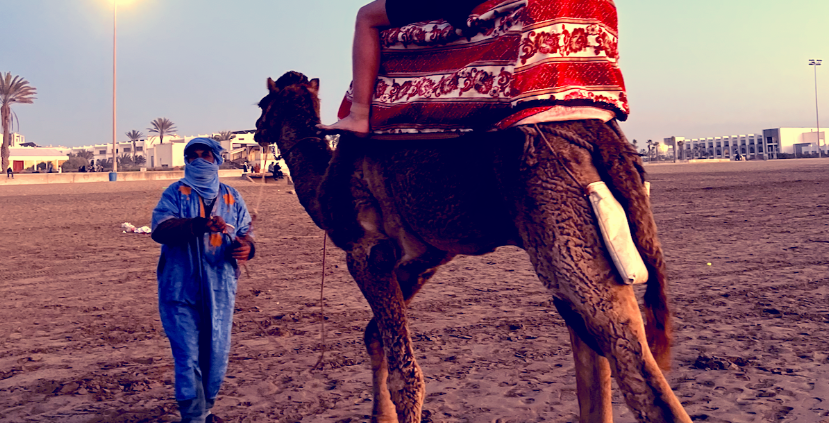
(527, 56)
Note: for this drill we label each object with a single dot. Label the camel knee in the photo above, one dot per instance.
(576, 322)
(373, 340)
(372, 256)
(382, 257)
(603, 324)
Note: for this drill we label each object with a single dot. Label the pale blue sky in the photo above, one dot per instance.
(693, 68)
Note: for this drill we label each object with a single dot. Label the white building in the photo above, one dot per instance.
(170, 153)
(16, 140)
(167, 155)
(22, 158)
(750, 147)
(798, 142)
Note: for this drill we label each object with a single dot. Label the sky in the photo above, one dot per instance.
(692, 68)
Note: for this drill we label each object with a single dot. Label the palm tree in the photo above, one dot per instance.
(651, 148)
(224, 136)
(86, 154)
(125, 160)
(162, 126)
(12, 90)
(134, 136)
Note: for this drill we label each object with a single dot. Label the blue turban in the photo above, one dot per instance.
(200, 174)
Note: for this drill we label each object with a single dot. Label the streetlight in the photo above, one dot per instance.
(114, 173)
(816, 63)
(115, 3)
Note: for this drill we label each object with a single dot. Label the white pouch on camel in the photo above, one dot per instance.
(613, 223)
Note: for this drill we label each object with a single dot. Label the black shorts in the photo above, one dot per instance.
(404, 12)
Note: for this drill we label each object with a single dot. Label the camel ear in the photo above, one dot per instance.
(272, 85)
(314, 85)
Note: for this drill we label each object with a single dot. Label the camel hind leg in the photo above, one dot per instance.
(592, 382)
(560, 235)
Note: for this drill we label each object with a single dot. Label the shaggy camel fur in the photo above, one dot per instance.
(401, 210)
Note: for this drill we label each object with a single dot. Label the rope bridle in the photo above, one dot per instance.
(319, 364)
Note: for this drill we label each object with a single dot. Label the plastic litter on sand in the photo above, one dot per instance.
(127, 227)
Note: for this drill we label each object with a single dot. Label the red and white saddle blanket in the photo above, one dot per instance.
(528, 58)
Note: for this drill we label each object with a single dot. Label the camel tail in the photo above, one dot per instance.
(622, 170)
(657, 314)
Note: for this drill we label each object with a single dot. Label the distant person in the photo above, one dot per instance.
(9, 173)
(270, 169)
(245, 167)
(205, 231)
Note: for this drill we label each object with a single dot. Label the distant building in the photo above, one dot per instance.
(16, 140)
(28, 158)
(799, 142)
(770, 144)
(751, 147)
(170, 154)
(167, 155)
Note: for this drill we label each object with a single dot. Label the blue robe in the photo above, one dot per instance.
(197, 289)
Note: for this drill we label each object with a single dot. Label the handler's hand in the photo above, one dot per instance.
(241, 250)
(216, 224)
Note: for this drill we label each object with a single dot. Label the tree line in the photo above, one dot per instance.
(16, 90)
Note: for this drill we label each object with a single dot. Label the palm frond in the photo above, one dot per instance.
(16, 90)
(224, 136)
(162, 125)
(134, 135)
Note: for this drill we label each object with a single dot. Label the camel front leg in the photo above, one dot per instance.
(383, 410)
(592, 382)
(371, 262)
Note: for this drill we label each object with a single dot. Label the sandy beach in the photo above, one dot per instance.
(747, 247)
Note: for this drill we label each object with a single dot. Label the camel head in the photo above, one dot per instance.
(290, 111)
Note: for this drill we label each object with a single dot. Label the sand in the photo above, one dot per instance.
(82, 341)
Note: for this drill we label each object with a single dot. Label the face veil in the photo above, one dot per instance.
(200, 174)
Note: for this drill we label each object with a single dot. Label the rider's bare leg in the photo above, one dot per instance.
(365, 64)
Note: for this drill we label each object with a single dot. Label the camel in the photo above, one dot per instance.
(402, 209)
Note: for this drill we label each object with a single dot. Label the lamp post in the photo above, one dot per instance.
(114, 87)
(816, 63)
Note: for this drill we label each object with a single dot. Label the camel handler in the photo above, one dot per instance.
(204, 230)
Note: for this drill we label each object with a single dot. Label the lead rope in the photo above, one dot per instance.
(319, 364)
(559, 161)
(254, 218)
(258, 203)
